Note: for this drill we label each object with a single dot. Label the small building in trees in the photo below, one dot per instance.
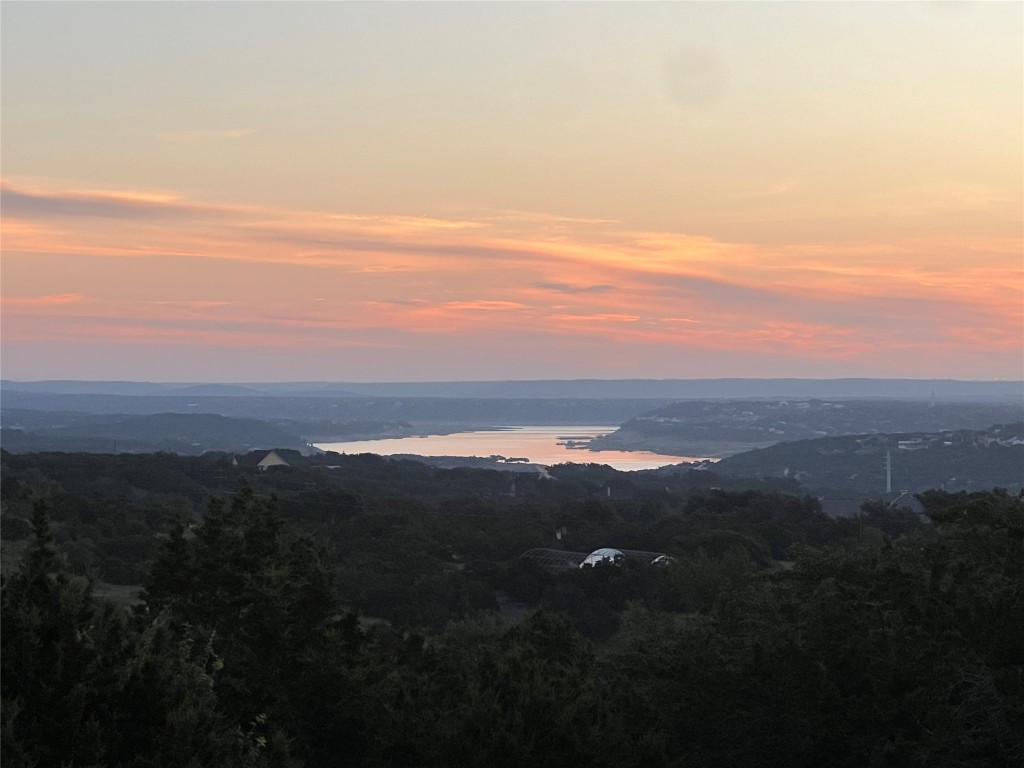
(561, 560)
(909, 502)
(260, 461)
(603, 555)
(272, 459)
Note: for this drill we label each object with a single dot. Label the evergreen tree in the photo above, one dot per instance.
(265, 605)
(81, 686)
(49, 713)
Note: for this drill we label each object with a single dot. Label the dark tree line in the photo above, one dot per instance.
(889, 652)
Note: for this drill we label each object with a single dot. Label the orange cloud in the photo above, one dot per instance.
(54, 299)
(487, 306)
(337, 277)
(606, 317)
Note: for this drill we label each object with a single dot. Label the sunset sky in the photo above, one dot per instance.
(242, 191)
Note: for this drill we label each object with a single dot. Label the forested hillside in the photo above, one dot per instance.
(965, 459)
(184, 433)
(380, 610)
(725, 428)
(322, 411)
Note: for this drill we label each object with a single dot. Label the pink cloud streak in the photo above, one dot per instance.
(388, 275)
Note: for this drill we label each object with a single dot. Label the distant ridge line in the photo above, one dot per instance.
(683, 389)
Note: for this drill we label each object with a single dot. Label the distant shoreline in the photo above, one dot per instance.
(711, 450)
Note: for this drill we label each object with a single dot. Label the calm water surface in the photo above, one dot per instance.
(541, 445)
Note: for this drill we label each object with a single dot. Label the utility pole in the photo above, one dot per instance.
(888, 470)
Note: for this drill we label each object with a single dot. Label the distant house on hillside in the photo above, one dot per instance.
(907, 501)
(561, 560)
(261, 462)
(272, 459)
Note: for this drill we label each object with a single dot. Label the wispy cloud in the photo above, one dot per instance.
(250, 270)
(600, 317)
(193, 304)
(672, 320)
(406, 222)
(485, 305)
(537, 217)
(568, 288)
(37, 204)
(51, 300)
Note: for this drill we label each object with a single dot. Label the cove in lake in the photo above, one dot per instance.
(540, 445)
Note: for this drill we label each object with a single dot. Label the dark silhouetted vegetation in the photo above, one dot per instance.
(379, 614)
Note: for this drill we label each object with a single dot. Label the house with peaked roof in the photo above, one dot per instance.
(262, 463)
(272, 459)
(907, 501)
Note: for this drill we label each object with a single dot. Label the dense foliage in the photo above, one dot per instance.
(387, 620)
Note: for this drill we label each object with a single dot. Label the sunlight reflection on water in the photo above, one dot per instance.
(541, 445)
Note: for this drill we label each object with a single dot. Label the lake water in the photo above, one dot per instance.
(541, 445)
